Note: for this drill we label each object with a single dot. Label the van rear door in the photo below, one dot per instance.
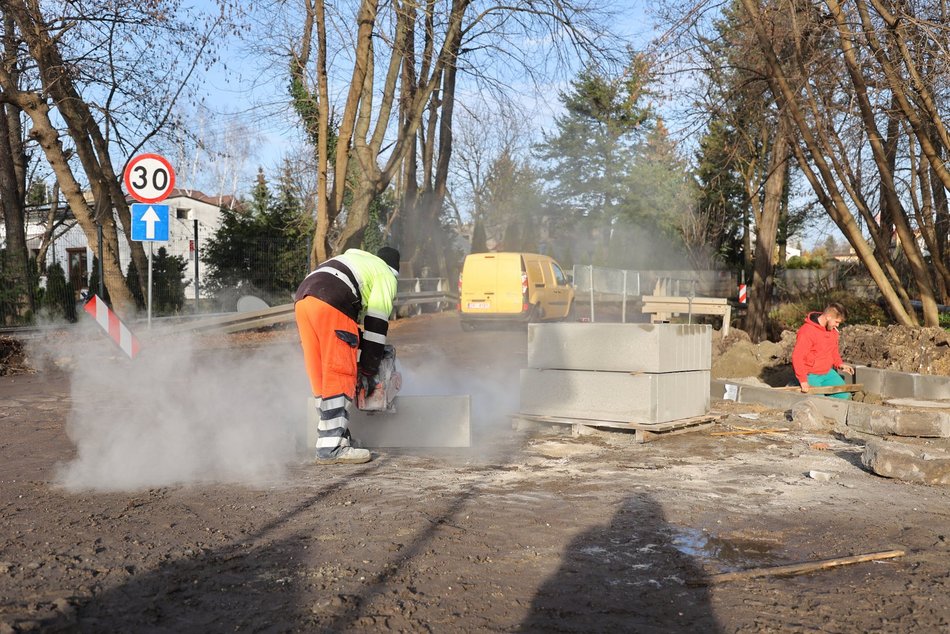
(491, 284)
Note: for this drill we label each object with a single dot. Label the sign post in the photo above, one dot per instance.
(149, 179)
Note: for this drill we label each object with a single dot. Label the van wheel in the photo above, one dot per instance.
(468, 326)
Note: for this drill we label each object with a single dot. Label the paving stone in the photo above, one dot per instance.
(893, 459)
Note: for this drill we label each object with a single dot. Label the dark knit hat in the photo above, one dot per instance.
(390, 256)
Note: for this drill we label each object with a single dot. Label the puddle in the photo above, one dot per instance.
(725, 555)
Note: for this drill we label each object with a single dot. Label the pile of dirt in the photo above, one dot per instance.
(900, 348)
(12, 359)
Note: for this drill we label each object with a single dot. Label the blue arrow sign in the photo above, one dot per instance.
(150, 223)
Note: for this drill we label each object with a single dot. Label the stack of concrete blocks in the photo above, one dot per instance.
(622, 373)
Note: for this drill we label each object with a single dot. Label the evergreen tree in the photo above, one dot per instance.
(59, 299)
(588, 158)
(263, 250)
(168, 285)
(135, 289)
(722, 199)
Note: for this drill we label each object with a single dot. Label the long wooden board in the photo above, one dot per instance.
(820, 391)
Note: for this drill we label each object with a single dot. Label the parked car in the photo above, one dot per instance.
(514, 287)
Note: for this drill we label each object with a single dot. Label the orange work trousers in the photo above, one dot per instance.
(330, 340)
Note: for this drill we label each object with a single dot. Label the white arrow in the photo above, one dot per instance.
(150, 218)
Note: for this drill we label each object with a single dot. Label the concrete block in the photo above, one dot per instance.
(902, 422)
(899, 384)
(769, 397)
(871, 378)
(419, 421)
(905, 462)
(929, 386)
(620, 347)
(615, 396)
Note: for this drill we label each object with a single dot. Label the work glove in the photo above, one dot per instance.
(367, 383)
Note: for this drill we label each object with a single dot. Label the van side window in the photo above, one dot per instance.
(559, 275)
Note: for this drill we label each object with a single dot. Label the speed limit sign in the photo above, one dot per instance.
(149, 178)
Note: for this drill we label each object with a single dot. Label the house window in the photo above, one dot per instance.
(78, 269)
(182, 213)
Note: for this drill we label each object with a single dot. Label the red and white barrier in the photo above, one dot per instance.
(110, 322)
(743, 297)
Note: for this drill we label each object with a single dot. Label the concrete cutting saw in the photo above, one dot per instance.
(388, 383)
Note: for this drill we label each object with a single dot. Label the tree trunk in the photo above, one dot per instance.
(82, 130)
(760, 290)
(831, 199)
(17, 261)
(13, 184)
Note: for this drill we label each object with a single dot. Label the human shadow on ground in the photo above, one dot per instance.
(631, 575)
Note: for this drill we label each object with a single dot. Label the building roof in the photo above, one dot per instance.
(226, 201)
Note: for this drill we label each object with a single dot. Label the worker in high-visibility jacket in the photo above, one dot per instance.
(350, 289)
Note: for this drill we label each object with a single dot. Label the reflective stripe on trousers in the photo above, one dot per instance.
(333, 427)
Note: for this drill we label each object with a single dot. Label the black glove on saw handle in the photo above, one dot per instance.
(367, 383)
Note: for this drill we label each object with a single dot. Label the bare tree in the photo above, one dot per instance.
(398, 120)
(87, 73)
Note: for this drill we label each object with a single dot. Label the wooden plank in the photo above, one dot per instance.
(679, 299)
(663, 310)
(802, 568)
(643, 435)
(829, 389)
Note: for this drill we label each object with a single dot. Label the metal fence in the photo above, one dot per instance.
(605, 291)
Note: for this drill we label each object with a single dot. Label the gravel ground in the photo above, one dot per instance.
(170, 495)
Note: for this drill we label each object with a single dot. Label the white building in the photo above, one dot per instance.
(189, 211)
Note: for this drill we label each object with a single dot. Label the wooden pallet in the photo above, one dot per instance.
(643, 432)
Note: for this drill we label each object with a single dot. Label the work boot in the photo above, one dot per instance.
(346, 455)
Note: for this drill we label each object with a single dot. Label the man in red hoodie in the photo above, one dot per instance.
(815, 358)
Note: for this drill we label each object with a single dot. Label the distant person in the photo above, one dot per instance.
(815, 358)
(350, 289)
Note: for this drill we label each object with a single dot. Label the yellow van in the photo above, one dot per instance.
(513, 287)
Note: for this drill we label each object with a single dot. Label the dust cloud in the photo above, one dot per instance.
(178, 415)
(494, 388)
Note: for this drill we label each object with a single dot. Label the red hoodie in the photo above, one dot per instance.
(816, 349)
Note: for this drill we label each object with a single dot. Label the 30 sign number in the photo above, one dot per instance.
(149, 178)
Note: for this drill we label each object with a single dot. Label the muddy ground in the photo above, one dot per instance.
(522, 532)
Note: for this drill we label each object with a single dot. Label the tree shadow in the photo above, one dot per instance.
(636, 574)
(247, 585)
